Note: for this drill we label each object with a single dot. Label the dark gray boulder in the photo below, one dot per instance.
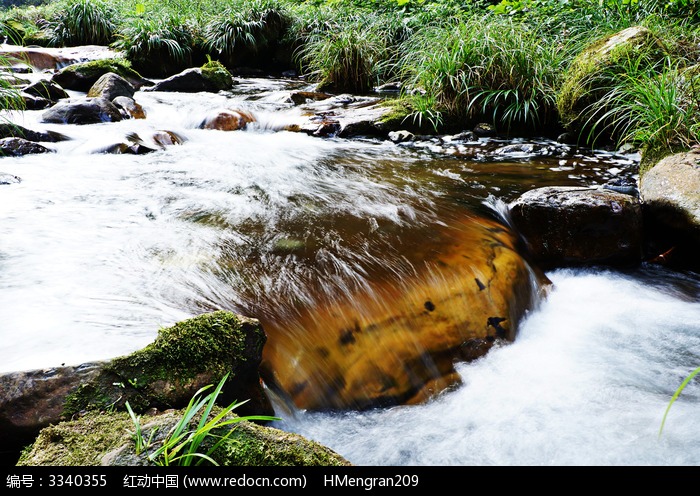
(82, 111)
(577, 225)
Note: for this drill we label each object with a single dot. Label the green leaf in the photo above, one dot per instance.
(676, 395)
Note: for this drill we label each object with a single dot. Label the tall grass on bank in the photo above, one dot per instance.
(157, 44)
(486, 66)
(657, 106)
(347, 52)
(85, 22)
(247, 27)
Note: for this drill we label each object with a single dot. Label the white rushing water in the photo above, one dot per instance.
(586, 382)
(99, 251)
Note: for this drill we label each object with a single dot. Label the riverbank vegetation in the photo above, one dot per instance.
(457, 63)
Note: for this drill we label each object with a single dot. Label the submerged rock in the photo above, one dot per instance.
(6, 178)
(399, 342)
(8, 130)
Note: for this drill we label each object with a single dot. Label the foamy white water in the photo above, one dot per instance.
(586, 383)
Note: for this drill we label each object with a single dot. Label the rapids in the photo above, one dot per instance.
(98, 251)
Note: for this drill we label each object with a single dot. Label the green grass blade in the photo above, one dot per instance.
(676, 395)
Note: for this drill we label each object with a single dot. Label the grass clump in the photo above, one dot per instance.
(85, 22)
(192, 441)
(157, 44)
(485, 66)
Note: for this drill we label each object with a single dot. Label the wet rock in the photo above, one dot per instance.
(346, 116)
(106, 439)
(43, 58)
(301, 97)
(625, 185)
(576, 225)
(16, 147)
(670, 191)
(227, 120)
(401, 136)
(82, 76)
(167, 138)
(82, 111)
(46, 89)
(188, 81)
(135, 145)
(32, 102)
(462, 137)
(567, 138)
(6, 178)
(129, 108)
(359, 353)
(389, 88)
(484, 130)
(111, 86)
(522, 149)
(8, 130)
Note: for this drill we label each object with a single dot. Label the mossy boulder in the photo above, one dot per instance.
(106, 438)
(183, 358)
(190, 355)
(211, 77)
(594, 71)
(81, 77)
(216, 73)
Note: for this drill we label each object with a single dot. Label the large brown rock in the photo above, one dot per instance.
(671, 192)
(578, 225)
(398, 342)
(227, 120)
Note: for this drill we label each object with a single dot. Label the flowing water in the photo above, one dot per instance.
(98, 251)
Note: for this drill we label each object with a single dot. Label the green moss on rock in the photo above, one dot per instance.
(80, 442)
(217, 74)
(81, 77)
(183, 358)
(593, 72)
(107, 438)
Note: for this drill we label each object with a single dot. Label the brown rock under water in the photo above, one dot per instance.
(228, 120)
(399, 343)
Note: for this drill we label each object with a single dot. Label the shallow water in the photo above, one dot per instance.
(98, 251)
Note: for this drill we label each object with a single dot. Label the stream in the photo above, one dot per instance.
(98, 251)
